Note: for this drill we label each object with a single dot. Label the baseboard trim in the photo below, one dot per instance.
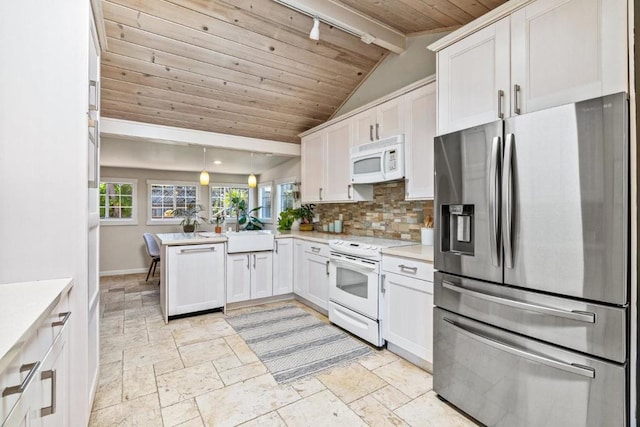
(122, 272)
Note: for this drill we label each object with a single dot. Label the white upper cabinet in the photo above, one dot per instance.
(420, 107)
(312, 152)
(564, 51)
(547, 53)
(337, 167)
(386, 119)
(473, 79)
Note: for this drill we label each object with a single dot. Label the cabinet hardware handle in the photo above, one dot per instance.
(327, 267)
(49, 375)
(382, 279)
(32, 368)
(377, 131)
(516, 100)
(349, 191)
(500, 99)
(65, 318)
(276, 246)
(248, 262)
(370, 132)
(406, 267)
(254, 261)
(320, 191)
(195, 250)
(93, 84)
(314, 249)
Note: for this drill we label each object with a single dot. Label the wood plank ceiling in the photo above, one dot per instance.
(246, 67)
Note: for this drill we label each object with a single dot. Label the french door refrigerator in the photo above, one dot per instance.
(531, 326)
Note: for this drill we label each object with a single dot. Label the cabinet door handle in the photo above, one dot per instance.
(65, 319)
(327, 267)
(382, 279)
(321, 193)
(248, 262)
(276, 246)
(406, 267)
(349, 195)
(49, 375)
(32, 368)
(370, 132)
(516, 99)
(314, 249)
(377, 130)
(254, 261)
(500, 99)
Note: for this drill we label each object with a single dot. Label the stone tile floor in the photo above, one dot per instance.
(197, 371)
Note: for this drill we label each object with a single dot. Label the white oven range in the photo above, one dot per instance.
(355, 285)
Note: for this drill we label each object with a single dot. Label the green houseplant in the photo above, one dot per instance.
(244, 216)
(305, 214)
(190, 217)
(286, 219)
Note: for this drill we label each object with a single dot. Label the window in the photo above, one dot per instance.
(164, 198)
(220, 198)
(118, 201)
(264, 200)
(285, 196)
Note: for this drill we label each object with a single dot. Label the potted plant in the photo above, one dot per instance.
(286, 219)
(244, 216)
(305, 214)
(219, 220)
(190, 218)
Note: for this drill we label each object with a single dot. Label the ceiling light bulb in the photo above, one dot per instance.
(315, 30)
(204, 178)
(217, 162)
(252, 181)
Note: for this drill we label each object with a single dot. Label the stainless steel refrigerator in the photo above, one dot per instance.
(531, 326)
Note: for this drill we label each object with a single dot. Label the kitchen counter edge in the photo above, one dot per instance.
(417, 252)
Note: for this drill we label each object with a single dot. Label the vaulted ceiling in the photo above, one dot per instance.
(247, 67)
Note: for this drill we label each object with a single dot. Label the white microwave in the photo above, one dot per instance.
(378, 161)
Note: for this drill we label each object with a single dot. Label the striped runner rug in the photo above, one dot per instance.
(293, 343)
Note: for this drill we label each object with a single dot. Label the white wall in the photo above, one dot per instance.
(396, 71)
(121, 246)
(43, 159)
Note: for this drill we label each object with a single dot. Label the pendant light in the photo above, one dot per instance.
(204, 175)
(315, 30)
(252, 178)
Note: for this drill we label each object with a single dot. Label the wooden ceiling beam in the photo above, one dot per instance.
(403, 14)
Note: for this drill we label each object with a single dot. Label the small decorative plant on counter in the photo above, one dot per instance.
(286, 219)
(243, 216)
(218, 220)
(190, 217)
(305, 214)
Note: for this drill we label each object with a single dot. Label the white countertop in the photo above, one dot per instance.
(418, 252)
(23, 307)
(197, 238)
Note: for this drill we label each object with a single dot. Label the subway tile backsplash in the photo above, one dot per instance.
(388, 216)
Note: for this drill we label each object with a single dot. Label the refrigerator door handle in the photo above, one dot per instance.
(581, 316)
(573, 368)
(507, 205)
(494, 219)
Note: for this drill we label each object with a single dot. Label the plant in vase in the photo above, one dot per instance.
(286, 219)
(245, 216)
(219, 220)
(305, 214)
(190, 217)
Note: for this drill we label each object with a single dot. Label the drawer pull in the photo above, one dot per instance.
(407, 268)
(65, 319)
(32, 368)
(573, 368)
(581, 316)
(190, 251)
(314, 249)
(49, 375)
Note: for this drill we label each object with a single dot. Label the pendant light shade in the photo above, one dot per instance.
(252, 181)
(204, 175)
(315, 30)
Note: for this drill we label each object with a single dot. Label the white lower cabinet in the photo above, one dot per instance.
(283, 266)
(249, 276)
(316, 270)
(195, 278)
(299, 270)
(407, 322)
(54, 384)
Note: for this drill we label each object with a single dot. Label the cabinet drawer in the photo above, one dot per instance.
(321, 249)
(16, 374)
(408, 267)
(51, 327)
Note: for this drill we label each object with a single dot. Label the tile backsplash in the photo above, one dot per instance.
(388, 216)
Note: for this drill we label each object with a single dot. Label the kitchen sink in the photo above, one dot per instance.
(249, 241)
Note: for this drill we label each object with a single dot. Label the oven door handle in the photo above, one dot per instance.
(353, 264)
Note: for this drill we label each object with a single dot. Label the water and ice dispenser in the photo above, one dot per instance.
(457, 229)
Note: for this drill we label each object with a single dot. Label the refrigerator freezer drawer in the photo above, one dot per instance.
(503, 379)
(586, 327)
